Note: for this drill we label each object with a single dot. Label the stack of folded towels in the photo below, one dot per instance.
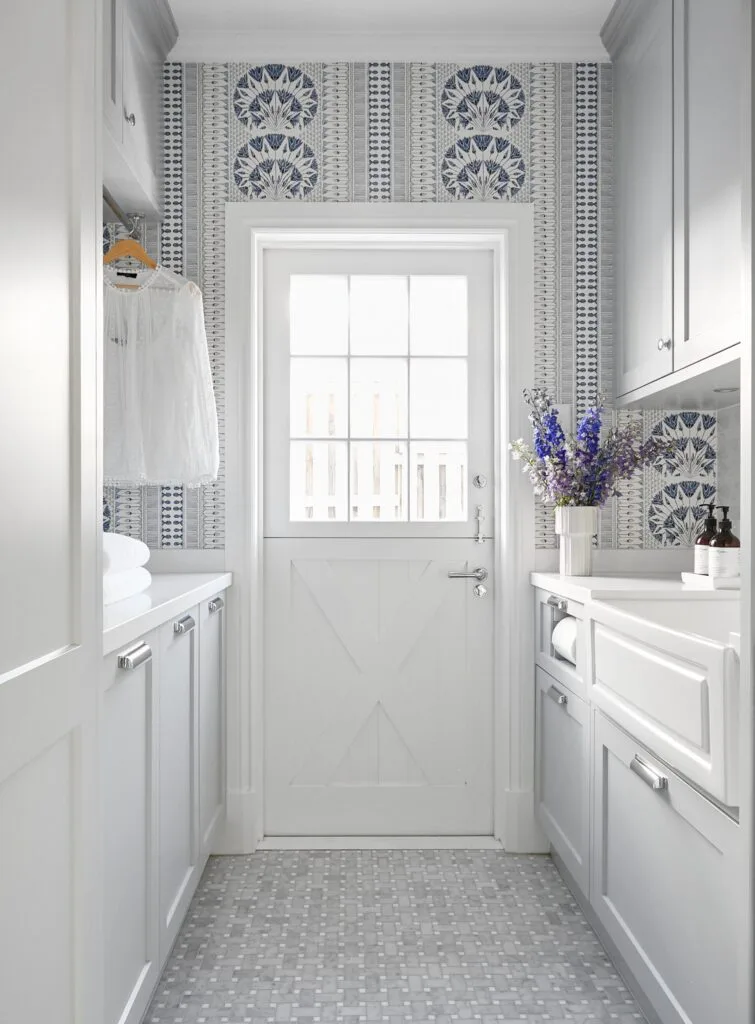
(123, 561)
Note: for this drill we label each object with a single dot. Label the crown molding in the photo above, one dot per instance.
(248, 46)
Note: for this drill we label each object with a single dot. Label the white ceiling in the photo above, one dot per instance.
(390, 29)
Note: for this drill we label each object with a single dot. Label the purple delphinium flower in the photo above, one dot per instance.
(582, 468)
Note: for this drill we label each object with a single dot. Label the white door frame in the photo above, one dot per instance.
(506, 230)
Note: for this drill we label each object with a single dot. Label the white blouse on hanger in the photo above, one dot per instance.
(161, 424)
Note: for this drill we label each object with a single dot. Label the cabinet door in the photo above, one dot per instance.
(644, 196)
(177, 698)
(211, 719)
(141, 101)
(112, 67)
(562, 780)
(131, 950)
(709, 87)
(662, 881)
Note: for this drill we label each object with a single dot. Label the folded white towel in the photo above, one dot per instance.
(117, 586)
(564, 638)
(119, 552)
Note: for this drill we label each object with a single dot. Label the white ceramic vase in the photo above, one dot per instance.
(576, 525)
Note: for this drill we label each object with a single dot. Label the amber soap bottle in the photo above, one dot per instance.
(723, 550)
(702, 544)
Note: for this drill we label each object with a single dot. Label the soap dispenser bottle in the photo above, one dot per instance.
(723, 550)
(702, 544)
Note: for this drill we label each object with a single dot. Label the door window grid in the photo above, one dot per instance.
(357, 453)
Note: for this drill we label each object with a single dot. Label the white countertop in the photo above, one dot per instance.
(593, 588)
(169, 595)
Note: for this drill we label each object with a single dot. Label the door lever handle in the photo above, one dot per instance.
(476, 574)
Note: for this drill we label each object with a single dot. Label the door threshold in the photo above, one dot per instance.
(379, 843)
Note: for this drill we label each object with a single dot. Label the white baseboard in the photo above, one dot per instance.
(379, 843)
(241, 831)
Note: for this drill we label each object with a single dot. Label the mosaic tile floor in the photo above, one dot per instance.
(396, 936)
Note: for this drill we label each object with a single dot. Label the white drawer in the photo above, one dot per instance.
(562, 773)
(663, 883)
(677, 693)
(549, 609)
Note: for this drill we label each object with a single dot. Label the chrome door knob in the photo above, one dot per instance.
(479, 590)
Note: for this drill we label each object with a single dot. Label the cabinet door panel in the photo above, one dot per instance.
(130, 866)
(178, 763)
(644, 196)
(211, 719)
(651, 850)
(562, 773)
(709, 174)
(141, 99)
(112, 67)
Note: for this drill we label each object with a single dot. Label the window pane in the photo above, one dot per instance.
(438, 398)
(438, 481)
(378, 397)
(378, 480)
(379, 315)
(319, 405)
(318, 481)
(438, 316)
(319, 315)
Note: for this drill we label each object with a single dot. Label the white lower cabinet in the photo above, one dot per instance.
(562, 774)
(164, 794)
(178, 762)
(211, 719)
(129, 765)
(661, 880)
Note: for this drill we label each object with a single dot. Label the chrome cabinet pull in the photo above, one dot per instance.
(129, 119)
(135, 657)
(184, 624)
(477, 574)
(216, 604)
(648, 775)
(560, 603)
(664, 343)
(557, 696)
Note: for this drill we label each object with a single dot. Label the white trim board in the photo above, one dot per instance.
(505, 229)
(379, 843)
(476, 47)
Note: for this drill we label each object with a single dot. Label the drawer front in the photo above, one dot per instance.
(652, 849)
(562, 773)
(550, 609)
(672, 692)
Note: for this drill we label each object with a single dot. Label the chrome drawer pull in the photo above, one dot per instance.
(648, 775)
(560, 698)
(184, 624)
(137, 656)
(216, 605)
(560, 603)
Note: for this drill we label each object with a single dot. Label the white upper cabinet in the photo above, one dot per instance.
(138, 36)
(678, 175)
(708, 180)
(644, 185)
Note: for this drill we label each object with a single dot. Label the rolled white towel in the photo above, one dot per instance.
(119, 552)
(564, 638)
(117, 586)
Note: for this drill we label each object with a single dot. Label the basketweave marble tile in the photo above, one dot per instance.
(389, 936)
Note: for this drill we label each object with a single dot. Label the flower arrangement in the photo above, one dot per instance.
(584, 468)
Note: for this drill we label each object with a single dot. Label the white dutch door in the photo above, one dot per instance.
(378, 481)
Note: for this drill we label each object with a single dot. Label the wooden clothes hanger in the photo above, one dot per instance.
(129, 248)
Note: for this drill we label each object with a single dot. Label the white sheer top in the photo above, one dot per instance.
(161, 424)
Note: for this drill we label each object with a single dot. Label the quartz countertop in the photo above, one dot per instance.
(595, 588)
(169, 594)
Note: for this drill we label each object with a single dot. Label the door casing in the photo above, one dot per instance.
(507, 231)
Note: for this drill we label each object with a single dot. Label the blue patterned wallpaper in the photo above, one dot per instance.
(418, 132)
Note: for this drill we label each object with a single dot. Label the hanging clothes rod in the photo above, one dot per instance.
(130, 223)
